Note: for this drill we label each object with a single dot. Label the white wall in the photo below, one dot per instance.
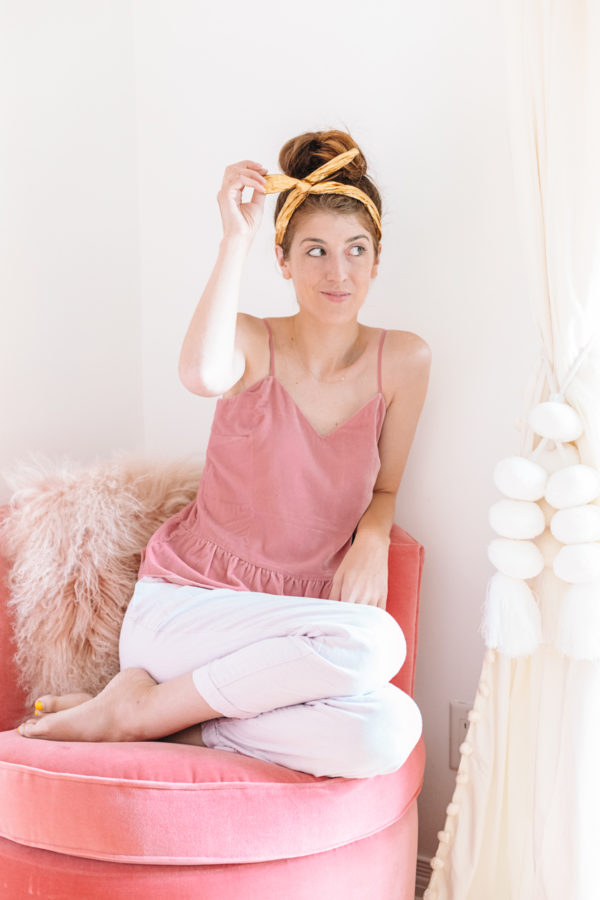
(421, 87)
(70, 348)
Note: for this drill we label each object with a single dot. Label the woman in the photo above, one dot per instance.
(258, 622)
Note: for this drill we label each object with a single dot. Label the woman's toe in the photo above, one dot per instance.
(31, 727)
(56, 702)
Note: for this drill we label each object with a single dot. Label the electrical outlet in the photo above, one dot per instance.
(459, 725)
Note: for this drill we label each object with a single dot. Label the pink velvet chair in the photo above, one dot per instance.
(155, 820)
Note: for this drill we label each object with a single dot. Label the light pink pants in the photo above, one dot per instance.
(299, 681)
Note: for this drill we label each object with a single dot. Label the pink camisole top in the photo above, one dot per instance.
(278, 502)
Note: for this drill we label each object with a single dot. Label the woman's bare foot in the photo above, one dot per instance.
(132, 707)
(101, 718)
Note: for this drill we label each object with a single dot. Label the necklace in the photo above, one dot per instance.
(337, 380)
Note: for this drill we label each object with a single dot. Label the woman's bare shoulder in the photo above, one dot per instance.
(407, 341)
(405, 351)
(406, 362)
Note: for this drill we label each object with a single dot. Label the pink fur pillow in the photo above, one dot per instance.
(73, 536)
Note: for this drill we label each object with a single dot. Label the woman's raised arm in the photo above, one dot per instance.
(211, 361)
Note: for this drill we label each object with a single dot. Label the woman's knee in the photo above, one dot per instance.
(381, 650)
(389, 641)
(380, 742)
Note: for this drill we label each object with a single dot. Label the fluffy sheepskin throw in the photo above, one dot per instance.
(74, 536)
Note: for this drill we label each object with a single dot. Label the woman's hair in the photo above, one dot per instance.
(302, 155)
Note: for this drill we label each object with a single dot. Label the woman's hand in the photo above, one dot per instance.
(242, 219)
(362, 576)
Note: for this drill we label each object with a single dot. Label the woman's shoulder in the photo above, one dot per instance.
(405, 360)
(407, 341)
(405, 349)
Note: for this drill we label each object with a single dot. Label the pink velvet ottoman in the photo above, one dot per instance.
(159, 820)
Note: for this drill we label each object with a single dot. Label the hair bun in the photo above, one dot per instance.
(299, 158)
(303, 154)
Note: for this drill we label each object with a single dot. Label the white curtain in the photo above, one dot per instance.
(524, 820)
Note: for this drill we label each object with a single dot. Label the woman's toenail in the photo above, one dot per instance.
(36, 713)
(39, 704)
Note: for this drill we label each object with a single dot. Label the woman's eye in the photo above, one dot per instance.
(356, 250)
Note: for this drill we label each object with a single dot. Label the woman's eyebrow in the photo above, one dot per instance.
(349, 241)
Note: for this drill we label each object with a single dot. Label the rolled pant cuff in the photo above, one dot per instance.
(213, 696)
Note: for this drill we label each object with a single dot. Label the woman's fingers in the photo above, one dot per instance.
(248, 164)
(242, 217)
(239, 180)
(362, 593)
(245, 174)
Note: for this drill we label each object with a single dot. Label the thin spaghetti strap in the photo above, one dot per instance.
(379, 382)
(271, 350)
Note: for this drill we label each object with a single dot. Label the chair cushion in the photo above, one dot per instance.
(155, 802)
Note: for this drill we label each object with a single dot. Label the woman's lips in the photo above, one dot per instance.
(336, 296)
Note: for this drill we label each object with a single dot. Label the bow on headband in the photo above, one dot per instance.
(314, 184)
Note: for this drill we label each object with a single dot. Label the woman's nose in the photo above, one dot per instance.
(337, 268)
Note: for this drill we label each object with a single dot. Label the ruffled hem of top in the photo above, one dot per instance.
(226, 571)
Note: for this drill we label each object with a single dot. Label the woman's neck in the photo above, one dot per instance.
(325, 351)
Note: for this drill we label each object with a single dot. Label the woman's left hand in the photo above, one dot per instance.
(362, 576)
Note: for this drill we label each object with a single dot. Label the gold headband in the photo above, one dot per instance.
(314, 184)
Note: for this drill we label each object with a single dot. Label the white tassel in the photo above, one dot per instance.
(578, 628)
(511, 621)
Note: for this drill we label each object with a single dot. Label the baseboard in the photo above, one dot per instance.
(423, 876)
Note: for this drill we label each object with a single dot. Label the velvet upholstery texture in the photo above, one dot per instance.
(379, 867)
(155, 819)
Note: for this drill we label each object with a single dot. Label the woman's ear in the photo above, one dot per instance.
(285, 271)
(376, 262)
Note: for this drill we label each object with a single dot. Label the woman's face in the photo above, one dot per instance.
(331, 260)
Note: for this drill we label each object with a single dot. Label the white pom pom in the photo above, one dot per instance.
(573, 486)
(511, 623)
(577, 524)
(557, 420)
(578, 563)
(554, 458)
(518, 519)
(520, 478)
(578, 630)
(548, 547)
(517, 559)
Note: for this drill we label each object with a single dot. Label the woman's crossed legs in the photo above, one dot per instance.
(294, 680)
